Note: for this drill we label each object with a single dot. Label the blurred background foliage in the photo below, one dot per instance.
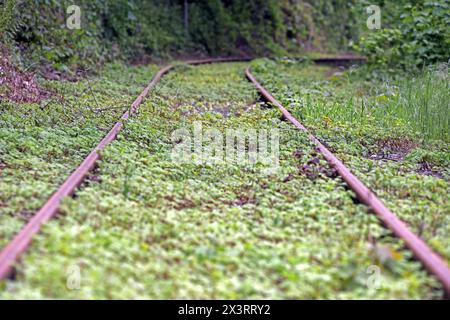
(35, 30)
(414, 34)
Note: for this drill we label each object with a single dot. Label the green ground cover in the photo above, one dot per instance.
(394, 135)
(42, 143)
(144, 226)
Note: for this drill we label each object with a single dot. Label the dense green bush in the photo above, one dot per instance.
(416, 34)
(135, 28)
(40, 36)
(6, 15)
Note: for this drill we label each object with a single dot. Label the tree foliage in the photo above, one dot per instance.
(131, 28)
(128, 29)
(415, 33)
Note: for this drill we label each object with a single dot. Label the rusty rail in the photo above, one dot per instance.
(432, 262)
(345, 60)
(11, 253)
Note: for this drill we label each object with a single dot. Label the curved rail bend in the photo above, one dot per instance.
(11, 253)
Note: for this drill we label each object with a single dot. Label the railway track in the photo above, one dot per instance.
(430, 260)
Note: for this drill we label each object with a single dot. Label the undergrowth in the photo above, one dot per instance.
(144, 226)
(386, 133)
(41, 143)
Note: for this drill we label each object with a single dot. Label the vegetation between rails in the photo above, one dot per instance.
(144, 226)
(215, 231)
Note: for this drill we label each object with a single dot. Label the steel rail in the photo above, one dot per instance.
(19, 244)
(343, 59)
(432, 262)
(12, 252)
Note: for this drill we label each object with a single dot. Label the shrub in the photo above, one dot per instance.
(131, 29)
(420, 37)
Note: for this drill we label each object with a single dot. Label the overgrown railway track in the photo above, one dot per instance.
(430, 260)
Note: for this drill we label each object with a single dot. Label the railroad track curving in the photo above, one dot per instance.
(431, 261)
